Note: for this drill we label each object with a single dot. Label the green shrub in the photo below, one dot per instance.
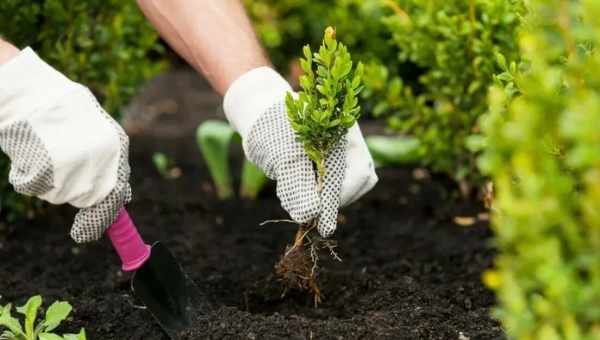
(106, 45)
(428, 64)
(453, 43)
(543, 152)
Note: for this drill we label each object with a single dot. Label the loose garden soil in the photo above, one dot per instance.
(408, 271)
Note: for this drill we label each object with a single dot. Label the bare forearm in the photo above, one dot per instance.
(214, 36)
(7, 51)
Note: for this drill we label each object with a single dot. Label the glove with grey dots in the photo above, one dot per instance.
(63, 147)
(254, 106)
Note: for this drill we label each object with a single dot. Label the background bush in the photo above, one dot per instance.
(454, 43)
(106, 45)
(284, 26)
(428, 63)
(543, 152)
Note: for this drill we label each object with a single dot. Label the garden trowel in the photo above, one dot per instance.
(158, 280)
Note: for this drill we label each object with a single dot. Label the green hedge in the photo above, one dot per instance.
(105, 44)
(543, 152)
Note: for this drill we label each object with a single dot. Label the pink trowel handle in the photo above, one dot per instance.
(128, 243)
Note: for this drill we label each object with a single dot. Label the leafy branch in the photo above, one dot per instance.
(327, 106)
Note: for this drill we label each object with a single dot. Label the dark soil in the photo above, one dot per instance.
(408, 271)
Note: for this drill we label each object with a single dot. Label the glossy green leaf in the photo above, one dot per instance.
(252, 182)
(56, 313)
(30, 311)
(388, 150)
(8, 321)
(214, 139)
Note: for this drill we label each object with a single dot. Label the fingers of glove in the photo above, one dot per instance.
(332, 185)
(31, 172)
(296, 188)
(90, 223)
(271, 141)
(360, 176)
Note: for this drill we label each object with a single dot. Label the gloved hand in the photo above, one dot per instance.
(254, 105)
(63, 147)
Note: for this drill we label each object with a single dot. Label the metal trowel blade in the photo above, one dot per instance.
(170, 296)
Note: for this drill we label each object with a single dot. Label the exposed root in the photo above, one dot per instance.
(298, 267)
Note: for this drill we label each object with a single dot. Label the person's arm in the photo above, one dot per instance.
(7, 51)
(214, 36)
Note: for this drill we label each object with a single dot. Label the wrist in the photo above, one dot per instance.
(7, 51)
(250, 95)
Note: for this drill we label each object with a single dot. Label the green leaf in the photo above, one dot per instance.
(335, 123)
(161, 163)
(80, 336)
(501, 61)
(30, 310)
(7, 335)
(252, 182)
(9, 322)
(49, 336)
(56, 313)
(306, 82)
(214, 139)
(307, 52)
(395, 150)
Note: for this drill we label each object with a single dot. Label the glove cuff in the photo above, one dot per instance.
(27, 83)
(251, 95)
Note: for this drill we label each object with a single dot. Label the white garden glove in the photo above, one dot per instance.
(63, 147)
(254, 105)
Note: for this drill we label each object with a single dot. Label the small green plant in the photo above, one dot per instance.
(43, 329)
(161, 163)
(165, 166)
(214, 138)
(326, 107)
(252, 182)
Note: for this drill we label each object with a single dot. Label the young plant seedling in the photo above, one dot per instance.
(165, 166)
(326, 107)
(252, 182)
(56, 313)
(214, 139)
